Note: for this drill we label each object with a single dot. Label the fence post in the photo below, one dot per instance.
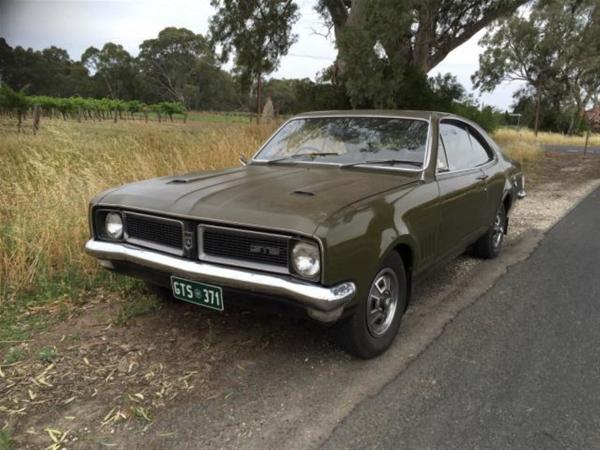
(36, 118)
(587, 139)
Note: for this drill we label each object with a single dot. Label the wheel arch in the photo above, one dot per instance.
(404, 246)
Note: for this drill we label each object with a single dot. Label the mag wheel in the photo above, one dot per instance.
(489, 245)
(372, 327)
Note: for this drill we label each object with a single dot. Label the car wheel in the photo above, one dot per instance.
(373, 325)
(489, 245)
(161, 292)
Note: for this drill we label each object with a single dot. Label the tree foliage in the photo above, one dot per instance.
(386, 47)
(49, 71)
(171, 61)
(554, 49)
(114, 67)
(256, 32)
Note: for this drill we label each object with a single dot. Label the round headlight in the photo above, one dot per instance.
(113, 224)
(306, 259)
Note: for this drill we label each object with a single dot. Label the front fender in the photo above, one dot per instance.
(358, 238)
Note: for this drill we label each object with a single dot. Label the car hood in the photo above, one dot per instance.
(292, 198)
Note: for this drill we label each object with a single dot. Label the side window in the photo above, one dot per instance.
(480, 154)
(458, 146)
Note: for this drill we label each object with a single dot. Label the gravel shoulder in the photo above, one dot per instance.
(187, 378)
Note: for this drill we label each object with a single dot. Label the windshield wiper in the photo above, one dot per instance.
(299, 155)
(389, 162)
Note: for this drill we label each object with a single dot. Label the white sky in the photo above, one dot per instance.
(77, 24)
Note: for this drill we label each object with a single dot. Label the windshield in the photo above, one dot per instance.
(349, 141)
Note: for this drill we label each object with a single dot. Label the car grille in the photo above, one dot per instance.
(244, 248)
(154, 232)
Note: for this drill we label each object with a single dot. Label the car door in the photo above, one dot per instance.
(462, 189)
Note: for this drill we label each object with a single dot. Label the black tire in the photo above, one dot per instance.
(355, 334)
(161, 292)
(490, 244)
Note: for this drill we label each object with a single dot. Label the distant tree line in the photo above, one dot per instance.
(385, 50)
(177, 66)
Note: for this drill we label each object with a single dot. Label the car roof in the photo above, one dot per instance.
(376, 112)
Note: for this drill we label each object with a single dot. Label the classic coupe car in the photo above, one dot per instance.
(338, 214)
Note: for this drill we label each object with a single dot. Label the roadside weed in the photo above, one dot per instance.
(5, 440)
(47, 354)
(14, 354)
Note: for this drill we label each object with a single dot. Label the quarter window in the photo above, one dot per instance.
(458, 146)
(480, 154)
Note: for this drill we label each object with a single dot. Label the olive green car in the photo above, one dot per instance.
(337, 214)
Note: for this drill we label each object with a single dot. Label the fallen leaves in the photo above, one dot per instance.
(57, 437)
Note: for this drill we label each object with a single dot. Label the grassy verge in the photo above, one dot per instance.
(46, 182)
(55, 300)
(523, 150)
(527, 137)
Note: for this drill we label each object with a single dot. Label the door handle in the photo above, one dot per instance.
(483, 177)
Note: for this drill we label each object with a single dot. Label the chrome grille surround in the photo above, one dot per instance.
(159, 233)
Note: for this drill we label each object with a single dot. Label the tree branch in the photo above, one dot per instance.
(456, 40)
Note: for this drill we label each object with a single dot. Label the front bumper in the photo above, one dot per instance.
(325, 304)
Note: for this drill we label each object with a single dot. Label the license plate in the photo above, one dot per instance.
(198, 293)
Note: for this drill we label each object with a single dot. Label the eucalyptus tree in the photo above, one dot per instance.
(114, 66)
(580, 59)
(257, 32)
(386, 47)
(171, 61)
(554, 47)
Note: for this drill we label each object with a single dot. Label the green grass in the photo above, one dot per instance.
(197, 116)
(47, 354)
(5, 441)
(14, 354)
(137, 301)
(49, 302)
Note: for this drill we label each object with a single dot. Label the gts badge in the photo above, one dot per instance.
(264, 250)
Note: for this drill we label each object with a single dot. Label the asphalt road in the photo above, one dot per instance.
(520, 368)
(572, 149)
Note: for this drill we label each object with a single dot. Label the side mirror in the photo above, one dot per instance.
(243, 160)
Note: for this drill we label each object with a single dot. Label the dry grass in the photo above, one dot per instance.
(516, 147)
(525, 135)
(46, 182)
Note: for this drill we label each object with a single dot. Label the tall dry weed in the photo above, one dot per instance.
(46, 182)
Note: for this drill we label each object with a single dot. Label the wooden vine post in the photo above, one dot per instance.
(37, 113)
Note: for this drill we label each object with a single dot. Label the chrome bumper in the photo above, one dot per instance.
(322, 303)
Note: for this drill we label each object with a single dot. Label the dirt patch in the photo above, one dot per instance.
(101, 380)
(184, 377)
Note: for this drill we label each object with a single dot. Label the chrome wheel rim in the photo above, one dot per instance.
(498, 230)
(382, 302)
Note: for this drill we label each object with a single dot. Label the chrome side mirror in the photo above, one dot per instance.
(243, 160)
